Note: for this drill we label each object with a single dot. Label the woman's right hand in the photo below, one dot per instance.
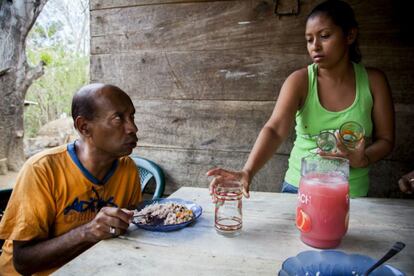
(220, 174)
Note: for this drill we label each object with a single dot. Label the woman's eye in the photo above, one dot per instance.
(324, 36)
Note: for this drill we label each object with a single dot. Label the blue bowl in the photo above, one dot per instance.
(333, 263)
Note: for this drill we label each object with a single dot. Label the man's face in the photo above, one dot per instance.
(113, 131)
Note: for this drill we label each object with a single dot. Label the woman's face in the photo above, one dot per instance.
(326, 42)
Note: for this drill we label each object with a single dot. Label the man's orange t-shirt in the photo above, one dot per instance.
(54, 193)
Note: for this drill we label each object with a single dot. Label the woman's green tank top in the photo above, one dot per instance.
(313, 118)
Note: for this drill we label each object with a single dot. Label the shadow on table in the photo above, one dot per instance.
(358, 243)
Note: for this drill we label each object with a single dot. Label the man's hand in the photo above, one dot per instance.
(222, 174)
(32, 256)
(406, 183)
(108, 223)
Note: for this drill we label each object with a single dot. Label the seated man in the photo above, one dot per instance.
(68, 198)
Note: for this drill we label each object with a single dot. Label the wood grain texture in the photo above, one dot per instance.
(230, 25)
(268, 237)
(230, 125)
(155, 259)
(184, 167)
(398, 67)
(404, 134)
(215, 25)
(384, 176)
(190, 46)
(107, 4)
(243, 75)
(204, 76)
(219, 125)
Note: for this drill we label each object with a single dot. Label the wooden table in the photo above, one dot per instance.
(269, 236)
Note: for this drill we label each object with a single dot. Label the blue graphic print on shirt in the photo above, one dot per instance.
(94, 205)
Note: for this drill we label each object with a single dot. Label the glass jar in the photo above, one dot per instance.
(326, 141)
(322, 212)
(350, 133)
(228, 207)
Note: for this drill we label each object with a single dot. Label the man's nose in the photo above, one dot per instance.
(131, 127)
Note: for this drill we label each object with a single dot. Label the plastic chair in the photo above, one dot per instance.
(147, 170)
(4, 198)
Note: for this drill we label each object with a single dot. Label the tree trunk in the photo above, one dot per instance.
(16, 19)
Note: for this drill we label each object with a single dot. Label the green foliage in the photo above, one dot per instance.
(58, 39)
(53, 28)
(46, 58)
(64, 74)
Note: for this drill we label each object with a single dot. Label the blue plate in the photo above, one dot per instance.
(333, 262)
(197, 210)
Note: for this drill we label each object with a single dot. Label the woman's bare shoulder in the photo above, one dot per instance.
(375, 73)
(377, 80)
(296, 86)
(300, 74)
(298, 79)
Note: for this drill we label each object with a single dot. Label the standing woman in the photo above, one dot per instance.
(334, 89)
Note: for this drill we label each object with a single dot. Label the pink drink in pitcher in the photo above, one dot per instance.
(323, 208)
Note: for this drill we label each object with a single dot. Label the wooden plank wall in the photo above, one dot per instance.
(204, 77)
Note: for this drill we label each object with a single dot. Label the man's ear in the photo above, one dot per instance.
(352, 35)
(83, 126)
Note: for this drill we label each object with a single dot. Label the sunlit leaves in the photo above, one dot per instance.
(57, 42)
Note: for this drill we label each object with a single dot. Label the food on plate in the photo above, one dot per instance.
(163, 213)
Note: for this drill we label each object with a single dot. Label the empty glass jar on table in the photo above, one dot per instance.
(228, 207)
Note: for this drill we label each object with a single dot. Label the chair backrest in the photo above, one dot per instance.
(147, 170)
(4, 198)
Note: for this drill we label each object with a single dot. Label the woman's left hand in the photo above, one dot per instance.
(356, 156)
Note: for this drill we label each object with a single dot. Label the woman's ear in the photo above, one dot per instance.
(352, 35)
(82, 126)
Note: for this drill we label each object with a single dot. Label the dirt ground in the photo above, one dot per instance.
(52, 134)
(7, 181)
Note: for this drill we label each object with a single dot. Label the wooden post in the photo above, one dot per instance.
(3, 166)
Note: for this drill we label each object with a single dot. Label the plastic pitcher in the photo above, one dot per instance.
(322, 211)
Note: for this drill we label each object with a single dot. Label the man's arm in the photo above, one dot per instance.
(33, 256)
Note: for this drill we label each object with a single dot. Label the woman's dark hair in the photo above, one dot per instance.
(343, 16)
